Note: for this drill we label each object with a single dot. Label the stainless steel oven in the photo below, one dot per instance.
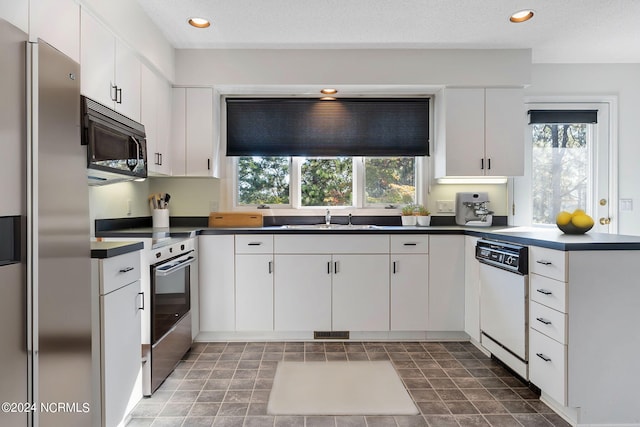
(170, 322)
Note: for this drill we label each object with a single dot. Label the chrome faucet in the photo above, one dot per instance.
(327, 217)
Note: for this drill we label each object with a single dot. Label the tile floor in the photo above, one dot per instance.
(452, 383)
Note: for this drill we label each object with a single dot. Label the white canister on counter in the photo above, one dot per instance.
(160, 218)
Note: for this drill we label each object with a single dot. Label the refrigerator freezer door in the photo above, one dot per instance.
(62, 284)
(13, 283)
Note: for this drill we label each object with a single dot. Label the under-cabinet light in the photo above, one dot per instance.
(472, 180)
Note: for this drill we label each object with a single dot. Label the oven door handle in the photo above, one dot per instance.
(176, 267)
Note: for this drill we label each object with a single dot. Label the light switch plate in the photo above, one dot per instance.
(445, 206)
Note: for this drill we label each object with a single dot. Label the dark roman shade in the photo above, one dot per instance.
(563, 116)
(314, 127)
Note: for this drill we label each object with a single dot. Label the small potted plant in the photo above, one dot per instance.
(408, 215)
(423, 215)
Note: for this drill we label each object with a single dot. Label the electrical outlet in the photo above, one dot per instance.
(626, 205)
(445, 206)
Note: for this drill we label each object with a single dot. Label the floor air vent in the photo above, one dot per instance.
(330, 335)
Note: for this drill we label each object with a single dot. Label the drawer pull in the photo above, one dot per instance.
(126, 269)
(255, 243)
(543, 357)
(411, 244)
(544, 291)
(544, 262)
(543, 320)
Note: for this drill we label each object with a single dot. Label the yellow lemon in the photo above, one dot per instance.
(582, 221)
(579, 212)
(563, 218)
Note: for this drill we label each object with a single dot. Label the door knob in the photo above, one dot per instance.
(605, 221)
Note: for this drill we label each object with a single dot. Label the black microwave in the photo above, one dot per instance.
(116, 145)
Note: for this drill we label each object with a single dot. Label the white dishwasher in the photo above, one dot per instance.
(504, 302)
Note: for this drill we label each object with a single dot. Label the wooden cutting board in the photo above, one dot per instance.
(234, 219)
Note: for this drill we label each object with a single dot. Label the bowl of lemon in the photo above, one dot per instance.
(577, 222)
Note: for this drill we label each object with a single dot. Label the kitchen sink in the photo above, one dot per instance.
(330, 226)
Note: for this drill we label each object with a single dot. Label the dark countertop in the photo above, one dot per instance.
(102, 250)
(549, 238)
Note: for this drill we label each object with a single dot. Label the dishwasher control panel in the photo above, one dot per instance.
(503, 255)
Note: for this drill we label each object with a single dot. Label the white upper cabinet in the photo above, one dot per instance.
(110, 70)
(192, 132)
(480, 132)
(155, 115)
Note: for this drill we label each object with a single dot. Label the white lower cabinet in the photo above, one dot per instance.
(409, 283)
(446, 282)
(302, 292)
(121, 353)
(217, 287)
(360, 293)
(117, 282)
(548, 365)
(409, 292)
(254, 292)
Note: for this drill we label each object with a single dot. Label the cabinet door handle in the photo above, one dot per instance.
(335, 267)
(126, 269)
(488, 164)
(270, 267)
(118, 95)
(254, 243)
(410, 244)
(208, 164)
(113, 92)
(141, 300)
(160, 154)
(328, 267)
(543, 320)
(543, 357)
(395, 267)
(544, 291)
(481, 163)
(544, 262)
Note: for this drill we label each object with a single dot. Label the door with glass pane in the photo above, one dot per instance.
(569, 162)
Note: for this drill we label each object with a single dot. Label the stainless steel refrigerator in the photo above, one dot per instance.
(45, 270)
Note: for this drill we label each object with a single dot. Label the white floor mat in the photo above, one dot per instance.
(339, 388)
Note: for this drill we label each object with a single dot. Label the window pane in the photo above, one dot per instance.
(389, 180)
(263, 180)
(560, 170)
(327, 182)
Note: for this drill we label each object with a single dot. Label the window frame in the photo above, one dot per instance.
(358, 189)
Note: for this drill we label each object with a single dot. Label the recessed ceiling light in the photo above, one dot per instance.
(329, 91)
(521, 16)
(199, 22)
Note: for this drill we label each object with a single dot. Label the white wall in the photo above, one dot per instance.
(622, 81)
(465, 67)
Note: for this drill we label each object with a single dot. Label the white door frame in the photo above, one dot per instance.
(519, 187)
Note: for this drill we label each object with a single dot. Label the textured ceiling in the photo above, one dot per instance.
(562, 31)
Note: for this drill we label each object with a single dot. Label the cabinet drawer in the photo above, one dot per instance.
(119, 271)
(548, 365)
(550, 292)
(254, 243)
(410, 244)
(331, 244)
(550, 322)
(548, 262)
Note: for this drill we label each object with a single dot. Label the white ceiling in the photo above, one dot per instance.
(562, 31)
